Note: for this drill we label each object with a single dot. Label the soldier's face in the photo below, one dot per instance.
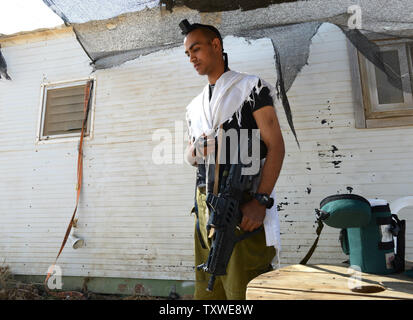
(200, 51)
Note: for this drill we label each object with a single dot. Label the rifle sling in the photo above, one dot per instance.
(216, 172)
(218, 155)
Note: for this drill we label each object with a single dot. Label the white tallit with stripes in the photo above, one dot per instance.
(204, 116)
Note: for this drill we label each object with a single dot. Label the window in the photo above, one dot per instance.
(379, 103)
(62, 110)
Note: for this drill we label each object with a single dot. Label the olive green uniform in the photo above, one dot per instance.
(250, 258)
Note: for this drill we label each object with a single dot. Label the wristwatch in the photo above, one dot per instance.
(264, 199)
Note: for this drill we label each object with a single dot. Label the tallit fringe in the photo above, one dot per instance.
(251, 98)
(277, 265)
(274, 93)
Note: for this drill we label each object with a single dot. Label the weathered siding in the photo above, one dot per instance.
(334, 154)
(148, 205)
(134, 214)
(38, 181)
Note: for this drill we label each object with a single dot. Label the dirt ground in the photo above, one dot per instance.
(14, 290)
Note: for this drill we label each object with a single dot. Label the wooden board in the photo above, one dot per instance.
(328, 282)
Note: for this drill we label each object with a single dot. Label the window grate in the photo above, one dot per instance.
(62, 111)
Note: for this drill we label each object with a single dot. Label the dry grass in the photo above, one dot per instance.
(5, 274)
(12, 290)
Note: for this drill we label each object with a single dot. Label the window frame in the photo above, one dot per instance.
(44, 87)
(365, 116)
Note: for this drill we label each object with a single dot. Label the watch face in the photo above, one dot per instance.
(265, 200)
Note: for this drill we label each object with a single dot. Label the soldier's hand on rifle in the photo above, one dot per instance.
(199, 149)
(253, 214)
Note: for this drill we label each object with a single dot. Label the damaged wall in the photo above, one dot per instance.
(290, 25)
(129, 231)
(134, 215)
(158, 25)
(335, 157)
(134, 222)
(3, 67)
(38, 181)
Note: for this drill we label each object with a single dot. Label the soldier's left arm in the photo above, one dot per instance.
(270, 132)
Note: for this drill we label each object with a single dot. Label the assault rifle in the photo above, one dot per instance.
(225, 216)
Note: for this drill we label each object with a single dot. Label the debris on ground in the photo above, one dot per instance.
(11, 289)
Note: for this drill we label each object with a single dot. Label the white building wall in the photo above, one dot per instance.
(133, 213)
(375, 163)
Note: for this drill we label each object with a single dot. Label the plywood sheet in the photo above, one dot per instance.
(328, 282)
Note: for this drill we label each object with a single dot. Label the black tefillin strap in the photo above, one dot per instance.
(225, 59)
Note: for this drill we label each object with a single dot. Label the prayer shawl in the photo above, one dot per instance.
(231, 90)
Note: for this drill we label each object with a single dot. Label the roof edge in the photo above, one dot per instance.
(38, 34)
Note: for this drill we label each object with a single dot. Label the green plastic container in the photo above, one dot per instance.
(371, 247)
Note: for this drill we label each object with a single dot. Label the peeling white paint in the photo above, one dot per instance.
(133, 214)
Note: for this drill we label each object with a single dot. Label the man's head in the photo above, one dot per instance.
(203, 46)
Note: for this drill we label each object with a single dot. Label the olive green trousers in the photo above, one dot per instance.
(250, 258)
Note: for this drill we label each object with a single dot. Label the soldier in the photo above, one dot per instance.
(232, 100)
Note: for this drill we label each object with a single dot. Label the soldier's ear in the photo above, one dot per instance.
(216, 44)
